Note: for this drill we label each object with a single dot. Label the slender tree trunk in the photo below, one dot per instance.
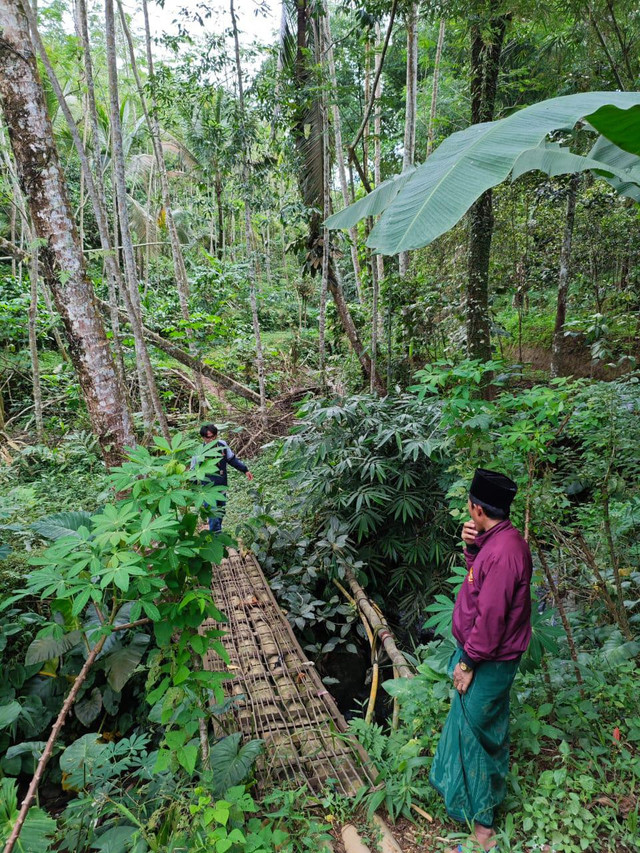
(321, 45)
(485, 65)
(434, 89)
(54, 329)
(605, 48)
(123, 216)
(339, 148)
(247, 216)
(369, 104)
(377, 177)
(218, 190)
(624, 43)
(151, 118)
(61, 257)
(95, 188)
(367, 99)
(411, 107)
(33, 345)
(12, 233)
(313, 195)
(557, 350)
(98, 198)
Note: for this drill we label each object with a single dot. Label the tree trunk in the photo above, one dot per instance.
(434, 90)
(312, 193)
(61, 257)
(33, 346)
(378, 260)
(151, 119)
(123, 216)
(557, 350)
(218, 190)
(95, 188)
(98, 198)
(411, 106)
(247, 218)
(339, 148)
(485, 66)
(321, 46)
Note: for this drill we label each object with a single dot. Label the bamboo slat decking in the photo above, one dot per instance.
(277, 694)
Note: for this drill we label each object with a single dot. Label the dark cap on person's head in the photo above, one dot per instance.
(489, 488)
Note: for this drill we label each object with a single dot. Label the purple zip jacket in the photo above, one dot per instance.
(492, 613)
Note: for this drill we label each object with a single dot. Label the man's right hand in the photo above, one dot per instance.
(469, 533)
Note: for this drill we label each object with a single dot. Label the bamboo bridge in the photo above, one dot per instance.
(277, 694)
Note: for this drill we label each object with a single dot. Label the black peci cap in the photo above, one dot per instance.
(493, 489)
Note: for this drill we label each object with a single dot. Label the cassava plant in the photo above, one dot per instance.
(133, 582)
(373, 470)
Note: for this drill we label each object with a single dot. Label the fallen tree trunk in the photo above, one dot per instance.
(190, 361)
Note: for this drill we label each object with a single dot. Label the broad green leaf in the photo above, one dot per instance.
(115, 840)
(62, 524)
(175, 738)
(229, 763)
(619, 124)
(187, 757)
(46, 648)
(182, 673)
(440, 191)
(554, 160)
(163, 761)
(372, 204)
(9, 713)
(121, 664)
(38, 829)
(88, 708)
(80, 758)
(611, 155)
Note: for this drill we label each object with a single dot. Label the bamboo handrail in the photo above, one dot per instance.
(379, 626)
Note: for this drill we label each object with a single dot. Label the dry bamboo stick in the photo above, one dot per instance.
(380, 626)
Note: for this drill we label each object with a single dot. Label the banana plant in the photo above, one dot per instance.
(421, 205)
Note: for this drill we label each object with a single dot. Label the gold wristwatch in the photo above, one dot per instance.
(464, 666)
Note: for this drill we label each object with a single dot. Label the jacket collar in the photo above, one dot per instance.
(483, 538)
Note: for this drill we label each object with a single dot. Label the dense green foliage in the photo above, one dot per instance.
(345, 479)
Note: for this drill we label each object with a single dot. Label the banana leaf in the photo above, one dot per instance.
(440, 191)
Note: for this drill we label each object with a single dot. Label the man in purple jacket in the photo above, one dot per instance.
(492, 626)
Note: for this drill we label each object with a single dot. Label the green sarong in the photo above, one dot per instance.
(472, 758)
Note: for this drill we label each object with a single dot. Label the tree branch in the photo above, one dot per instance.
(48, 750)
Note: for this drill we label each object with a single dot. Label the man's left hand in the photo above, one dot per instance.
(249, 476)
(462, 679)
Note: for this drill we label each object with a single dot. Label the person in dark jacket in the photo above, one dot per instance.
(492, 627)
(209, 434)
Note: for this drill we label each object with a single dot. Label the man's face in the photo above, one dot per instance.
(209, 437)
(477, 516)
